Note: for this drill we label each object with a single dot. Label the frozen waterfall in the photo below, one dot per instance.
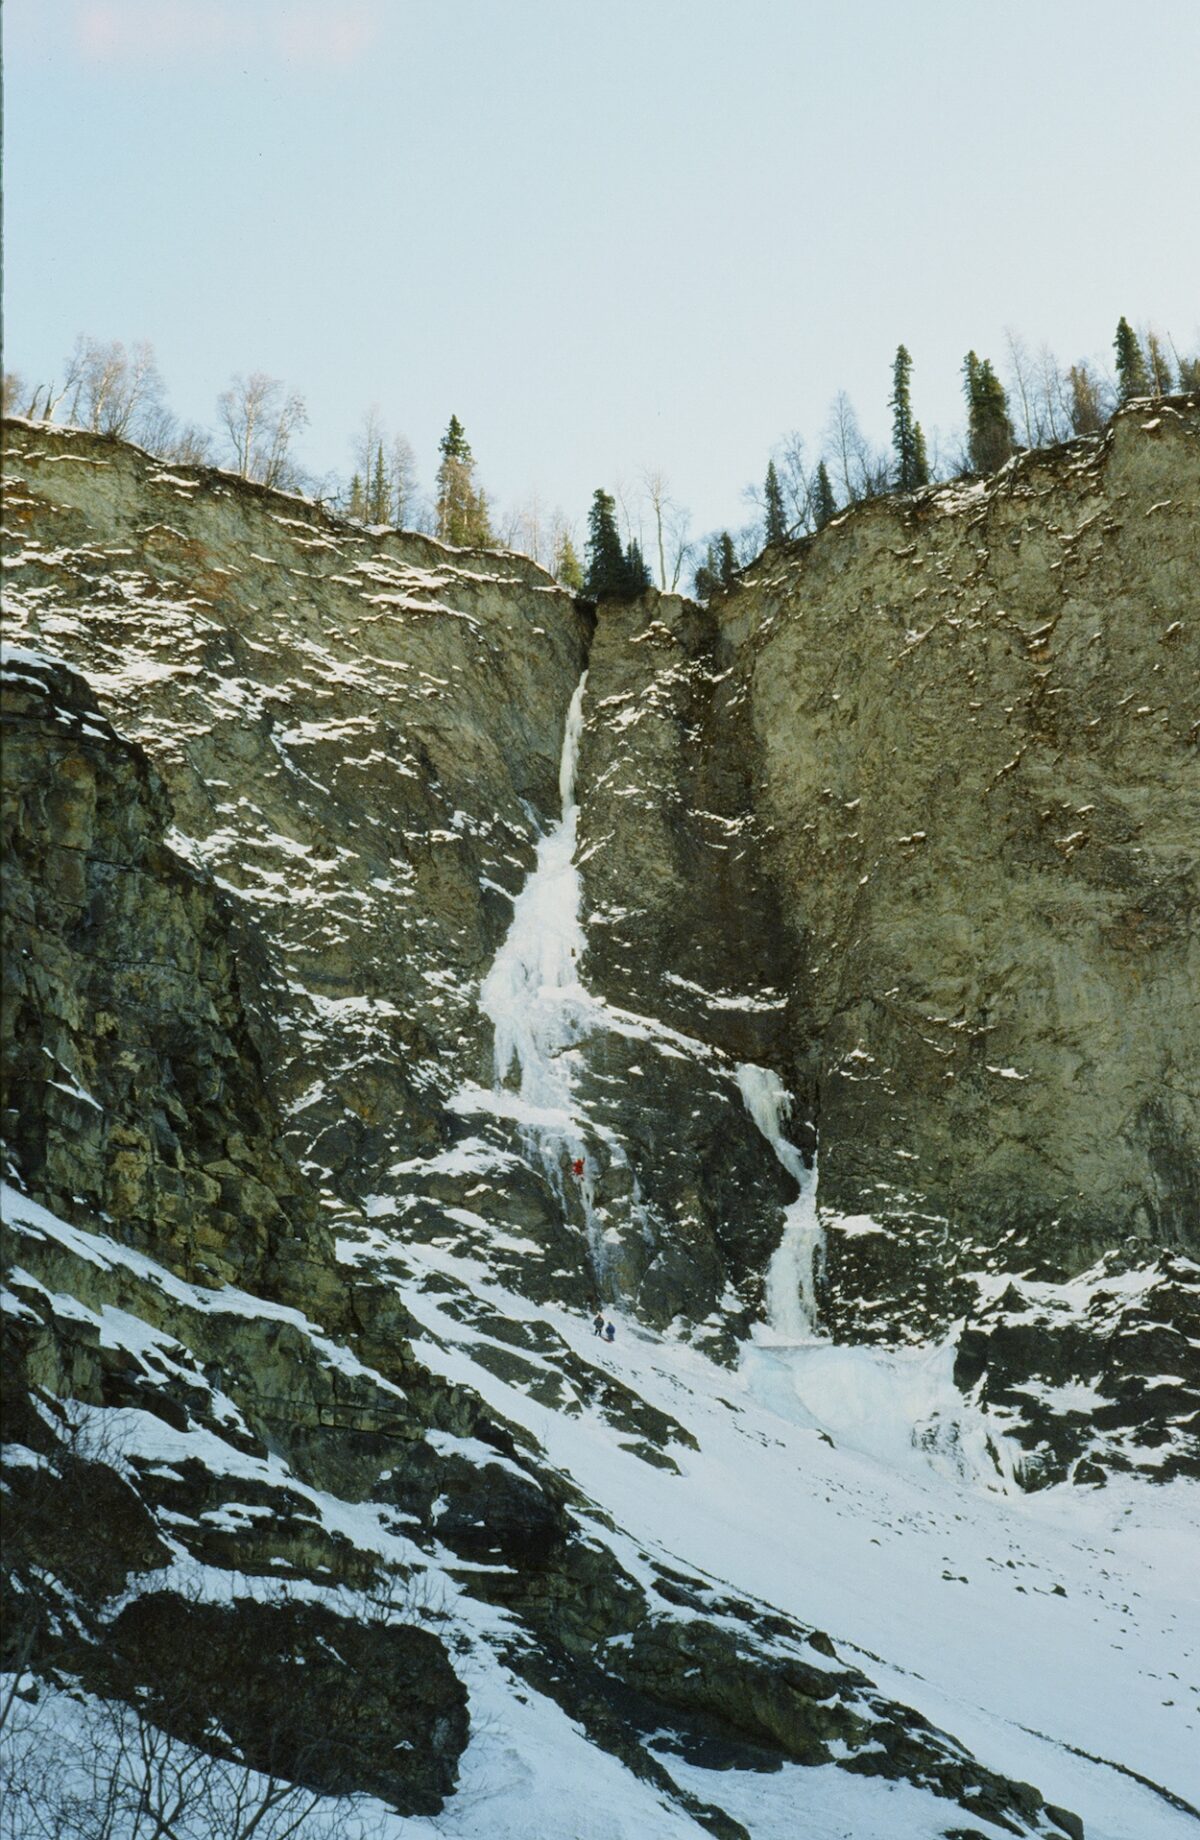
(532, 995)
(791, 1293)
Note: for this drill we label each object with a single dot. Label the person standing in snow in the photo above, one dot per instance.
(610, 1333)
(597, 1324)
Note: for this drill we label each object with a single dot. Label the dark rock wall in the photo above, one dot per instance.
(926, 787)
(132, 1086)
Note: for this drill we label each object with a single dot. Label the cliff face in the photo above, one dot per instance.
(884, 860)
(360, 737)
(912, 818)
(975, 723)
(132, 1082)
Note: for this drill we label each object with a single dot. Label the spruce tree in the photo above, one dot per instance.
(719, 570)
(637, 575)
(461, 508)
(824, 503)
(775, 518)
(990, 437)
(920, 457)
(1085, 411)
(380, 496)
(912, 468)
(566, 565)
(1132, 379)
(1158, 359)
(607, 577)
(707, 580)
(358, 502)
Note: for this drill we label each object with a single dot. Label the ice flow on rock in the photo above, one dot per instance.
(538, 1009)
(791, 1294)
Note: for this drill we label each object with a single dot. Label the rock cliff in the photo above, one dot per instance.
(912, 815)
(885, 863)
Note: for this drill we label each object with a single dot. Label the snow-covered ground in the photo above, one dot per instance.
(842, 1486)
(1057, 1635)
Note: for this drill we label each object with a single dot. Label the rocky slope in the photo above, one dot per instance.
(295, 1272)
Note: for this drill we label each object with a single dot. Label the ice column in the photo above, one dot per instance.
(791, 1294)
(532, 995)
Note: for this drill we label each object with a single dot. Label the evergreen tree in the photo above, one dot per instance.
(990, 437)
(775, 518)
(637, 575)
(461, 508)
(1162, 376)
(707, 579)
(718, 572)
(358, 501)
(379, 497)
(607, 576)
(566, 565)
(1085, 409)
(824, 503)
(1132, 379)
(912, 468)
(1189, 373)
(920, 456)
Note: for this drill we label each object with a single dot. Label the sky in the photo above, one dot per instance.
(644, 234)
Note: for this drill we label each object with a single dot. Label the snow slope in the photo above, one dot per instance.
(1030, 1627)
(1056, 1634)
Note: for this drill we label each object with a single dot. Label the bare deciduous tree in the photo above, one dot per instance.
(1053, 397)
(671, 523)
(102, 1771)
(113, 390)
(525, 529)
(385, 488)
(797, 484)
(261, 417)
(863, 473)
(1022, 389)
(190, 445)
(407, 512)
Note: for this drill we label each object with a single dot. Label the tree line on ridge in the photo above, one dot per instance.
(638, 536)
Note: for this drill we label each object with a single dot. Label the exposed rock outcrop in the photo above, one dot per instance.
(910, 815)
(132, 1081)
(887, 826)
(360, 737)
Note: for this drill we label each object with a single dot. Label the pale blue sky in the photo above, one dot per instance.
(608, 236)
